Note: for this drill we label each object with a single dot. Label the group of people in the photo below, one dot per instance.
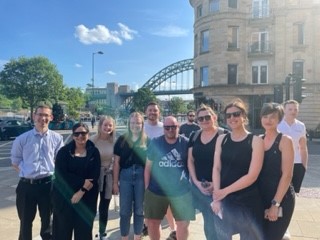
(241, 183)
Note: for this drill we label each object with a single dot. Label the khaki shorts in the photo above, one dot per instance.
(155, 206)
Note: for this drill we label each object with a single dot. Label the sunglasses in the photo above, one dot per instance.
(173, 127)
(202, 118)
(234, 114)
(191, 115)
(77, 134)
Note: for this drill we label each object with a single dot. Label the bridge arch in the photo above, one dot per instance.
(167, 72)
(160, 77)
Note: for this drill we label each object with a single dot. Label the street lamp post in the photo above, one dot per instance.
(93, 100)
(99, 52)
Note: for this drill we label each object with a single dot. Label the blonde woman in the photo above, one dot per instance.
(128, 172)
(104, 141)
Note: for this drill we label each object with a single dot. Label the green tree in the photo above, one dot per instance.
(32, 79)
(16, 104)
(75, 100)
(141, 98)
(5, 102)
(191, 106)
(177, 105)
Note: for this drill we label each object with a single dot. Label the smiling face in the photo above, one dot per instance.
(153, 113)
(235, 118)
(42, 118)
(107, 127)
(136, 124)
(80, 136)
(205, 119)
(171, 129)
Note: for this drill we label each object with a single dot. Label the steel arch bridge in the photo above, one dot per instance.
(171, 80)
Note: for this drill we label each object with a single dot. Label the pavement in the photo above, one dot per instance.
(305, 223)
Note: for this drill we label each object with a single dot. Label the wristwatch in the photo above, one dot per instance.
(84, 189)
(275, 203)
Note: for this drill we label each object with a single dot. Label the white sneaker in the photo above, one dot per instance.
(102, 237)
(287, 235)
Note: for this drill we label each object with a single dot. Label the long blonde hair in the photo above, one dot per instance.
(143, 136)
(113, 133)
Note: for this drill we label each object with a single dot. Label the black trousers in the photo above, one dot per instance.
(75, 218)
(276, 230)
(29, 197)
(298, 175)
(103, 210)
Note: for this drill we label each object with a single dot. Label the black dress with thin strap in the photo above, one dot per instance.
(242, 210)
(269, 179)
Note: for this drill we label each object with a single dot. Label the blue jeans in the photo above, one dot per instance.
(202, 203)
(131, 197)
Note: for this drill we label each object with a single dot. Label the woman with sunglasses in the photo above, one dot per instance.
(75, 187)
(130, 152)
(237, 163)
(104, 141)
(200, 164)
(276, 174)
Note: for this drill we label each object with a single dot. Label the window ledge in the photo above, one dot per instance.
(233, 49)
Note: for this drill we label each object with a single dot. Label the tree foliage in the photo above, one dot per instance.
(5, 102)
(75, 100)
(177, 105)
(32, 79)
(191, 106)
(141, 98)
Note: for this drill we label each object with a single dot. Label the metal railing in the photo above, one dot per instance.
(260, 47)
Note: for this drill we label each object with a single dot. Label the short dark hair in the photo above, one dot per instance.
(269, 108)
(153, 103)
(190, 111)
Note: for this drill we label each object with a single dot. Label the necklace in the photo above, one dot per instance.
(83, 154)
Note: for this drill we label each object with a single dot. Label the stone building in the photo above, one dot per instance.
(247, 48)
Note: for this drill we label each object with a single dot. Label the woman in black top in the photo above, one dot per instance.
(130, 152)
(237, 163)
(276, 174)
(200, 163)
(75, 187)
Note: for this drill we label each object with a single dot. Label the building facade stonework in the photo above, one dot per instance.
(247, 48)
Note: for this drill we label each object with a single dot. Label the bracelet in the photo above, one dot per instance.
(83, 189)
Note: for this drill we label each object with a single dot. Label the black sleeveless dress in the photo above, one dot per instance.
(268, 183)
(242, 211)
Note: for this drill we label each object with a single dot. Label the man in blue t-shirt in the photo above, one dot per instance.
(167, 182)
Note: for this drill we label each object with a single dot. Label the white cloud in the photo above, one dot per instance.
(171, 31)
(111, 73)
(126, 32)
(77, 65)
(102, 35)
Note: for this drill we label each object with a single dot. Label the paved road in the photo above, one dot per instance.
(304, 225)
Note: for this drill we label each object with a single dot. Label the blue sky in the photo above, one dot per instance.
(138, 38)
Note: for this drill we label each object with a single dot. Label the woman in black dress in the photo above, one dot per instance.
(276, 174)
(237, 163)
